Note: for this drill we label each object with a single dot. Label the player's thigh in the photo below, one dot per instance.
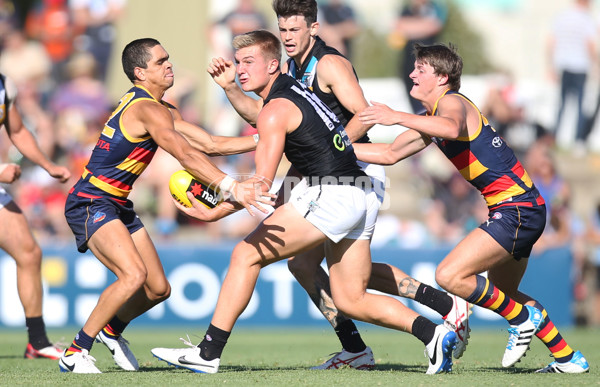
(309, 260)
(113, 246)
(15, 236)
(283, 234)
(349, 263)
(476, 253)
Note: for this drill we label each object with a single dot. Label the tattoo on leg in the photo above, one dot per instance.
(407, 287)
(324, 302)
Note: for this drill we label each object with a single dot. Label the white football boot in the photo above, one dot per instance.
(458, 321)
(361, 361)
(520, 337)
(439, 350)
(188, 358)
(577, 365)
(119, 348)
(78, 363)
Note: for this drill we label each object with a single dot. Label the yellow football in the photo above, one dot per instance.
(182, 182)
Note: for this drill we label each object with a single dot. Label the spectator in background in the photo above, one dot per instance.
(454, 210)
(83, 94)
(8, 19)
(556, 191)
(419, 21)
(338, 26)
(505, 109)
(95, 20)
(50, 23)
(243, 18)
(571, 54)
(25, 61)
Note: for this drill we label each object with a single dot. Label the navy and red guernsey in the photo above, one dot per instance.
(118, 159)
(490, 165)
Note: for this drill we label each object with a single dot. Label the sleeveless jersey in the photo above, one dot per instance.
(117, 159)
(307, 75)
(319, 147)
(490, 165)
(8, 93)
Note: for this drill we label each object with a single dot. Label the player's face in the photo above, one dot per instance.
(159, 70)
(424, 81)
(252, 69)
(295, 35)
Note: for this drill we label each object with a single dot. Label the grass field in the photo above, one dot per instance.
(281, 357)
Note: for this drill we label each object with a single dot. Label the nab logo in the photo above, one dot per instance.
(103, 145)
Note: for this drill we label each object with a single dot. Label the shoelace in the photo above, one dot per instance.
(123, 340)
(513, 336)
(88, 357)
(188, 342)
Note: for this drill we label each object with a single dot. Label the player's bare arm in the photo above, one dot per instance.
(449, 124)
(336, 76)
(26, 143)
(157, 121)
(273, 126)
(405, 145)
(214, 145)
(223, 73)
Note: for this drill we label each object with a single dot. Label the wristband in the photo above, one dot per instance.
(255, 138)
(227, 183)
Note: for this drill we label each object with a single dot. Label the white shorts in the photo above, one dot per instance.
(338, 211)
(374, 198)
(5, 198)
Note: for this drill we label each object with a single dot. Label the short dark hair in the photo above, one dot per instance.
(287, 8)
(269, 44)
(444, 60)
(137, 54)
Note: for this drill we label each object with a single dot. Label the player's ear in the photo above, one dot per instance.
(139, 73)
(314, 28)
(273, 66)
(443, 79)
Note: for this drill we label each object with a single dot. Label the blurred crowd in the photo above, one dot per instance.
(58, 54)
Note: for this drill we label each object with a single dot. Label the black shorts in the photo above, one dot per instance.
(516, 228)
(85, 216)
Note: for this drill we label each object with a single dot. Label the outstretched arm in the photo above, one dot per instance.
(406, 144)
(214, 145)
(223, 73)
(24, 141)
(449, 123)
(158, 122)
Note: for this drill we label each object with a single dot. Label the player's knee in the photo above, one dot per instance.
(135, 278)
(445, 278)
(30, 256)
(161, 292)
(242, 255)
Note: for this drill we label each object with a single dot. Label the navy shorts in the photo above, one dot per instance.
(85, 216)
(516, 228)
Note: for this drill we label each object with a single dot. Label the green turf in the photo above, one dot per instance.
(281, 357)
